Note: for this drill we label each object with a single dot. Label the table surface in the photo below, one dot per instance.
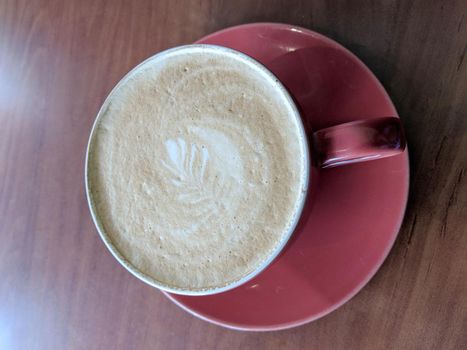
(61, 289)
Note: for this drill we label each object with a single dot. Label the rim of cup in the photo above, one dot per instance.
(305, 178)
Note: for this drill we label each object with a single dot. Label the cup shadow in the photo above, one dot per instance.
(321, 89)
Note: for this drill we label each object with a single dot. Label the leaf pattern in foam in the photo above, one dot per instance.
(188, 170)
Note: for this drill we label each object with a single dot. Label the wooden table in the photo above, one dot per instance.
(59, 286)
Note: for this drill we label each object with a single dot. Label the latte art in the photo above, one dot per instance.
(196, 169)
(200, 181)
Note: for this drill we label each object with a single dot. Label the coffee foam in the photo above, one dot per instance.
(196, 168)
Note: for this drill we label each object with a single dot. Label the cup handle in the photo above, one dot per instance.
(359, 141)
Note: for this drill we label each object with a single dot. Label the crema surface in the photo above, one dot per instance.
(196, 168)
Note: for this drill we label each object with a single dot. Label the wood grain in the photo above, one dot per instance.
(61, 289)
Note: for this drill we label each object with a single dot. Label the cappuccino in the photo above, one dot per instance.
(197, 169)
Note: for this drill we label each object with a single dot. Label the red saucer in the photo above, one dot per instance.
(348, 228)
